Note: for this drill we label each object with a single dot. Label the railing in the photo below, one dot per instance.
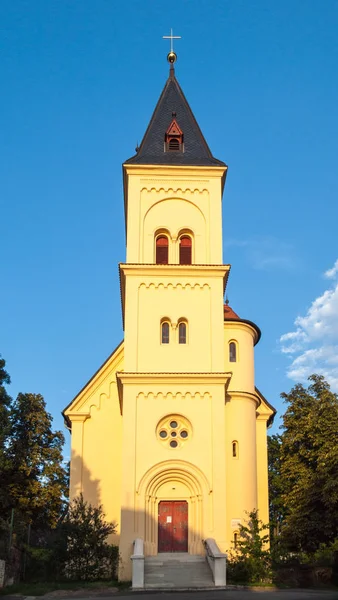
(138, 564)
(216, 561)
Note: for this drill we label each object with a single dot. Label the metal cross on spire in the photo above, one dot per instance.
(171, 37)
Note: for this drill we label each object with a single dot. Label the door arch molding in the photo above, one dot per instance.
(198, 502)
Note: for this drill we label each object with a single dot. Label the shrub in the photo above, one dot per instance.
(77, 549)
(82, 548)
(250, 562)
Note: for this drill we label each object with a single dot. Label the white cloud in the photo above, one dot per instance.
(331, 273)
(267, 253)
(313, 345)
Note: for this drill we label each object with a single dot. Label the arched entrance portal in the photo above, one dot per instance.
(166, 484)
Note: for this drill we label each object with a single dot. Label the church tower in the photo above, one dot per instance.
(170, 433)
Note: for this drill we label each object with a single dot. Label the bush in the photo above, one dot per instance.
(88, 555)
(250, 562)
(77, 549)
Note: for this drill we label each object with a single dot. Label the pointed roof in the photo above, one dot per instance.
(173, 104)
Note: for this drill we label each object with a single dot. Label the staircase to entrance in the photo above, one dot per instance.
(177, 570)
(169, 570)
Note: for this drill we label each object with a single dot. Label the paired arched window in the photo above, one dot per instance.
(182, 333)
(234, 449)
(162, 250)
(185, 257)
(233, 352)
(165, 332)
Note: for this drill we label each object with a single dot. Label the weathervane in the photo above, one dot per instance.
(172, 56)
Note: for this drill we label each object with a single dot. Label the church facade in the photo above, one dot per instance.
(170, 434)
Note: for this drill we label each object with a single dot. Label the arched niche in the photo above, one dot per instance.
(174, 214)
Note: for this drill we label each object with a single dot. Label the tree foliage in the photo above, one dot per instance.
(276, 504)
(249, 561)
(5, 403)
(36, 475)
(304, 470)
(84, 534)
(32, 474)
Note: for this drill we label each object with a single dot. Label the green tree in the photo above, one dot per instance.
(309, 466)
(5, 405)
(82, 543)
(250, 561)
(35, 475)
(276, 505)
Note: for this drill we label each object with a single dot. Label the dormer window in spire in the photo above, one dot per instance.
(173, 140)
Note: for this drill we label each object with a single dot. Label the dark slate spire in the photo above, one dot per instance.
(153, 149)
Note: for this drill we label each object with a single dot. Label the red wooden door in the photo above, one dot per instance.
(173, 526)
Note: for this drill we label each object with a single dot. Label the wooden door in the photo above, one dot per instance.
(173, 526)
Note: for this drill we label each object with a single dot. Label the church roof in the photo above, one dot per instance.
(229, 313)
(172, 105)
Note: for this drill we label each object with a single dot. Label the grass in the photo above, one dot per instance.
(41, 588)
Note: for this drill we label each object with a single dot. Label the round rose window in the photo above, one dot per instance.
(173, 431)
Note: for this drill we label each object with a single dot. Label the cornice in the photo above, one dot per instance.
(137, 378)
(213, 172)
(174, 269)
(93, 383)
(168, 271)
(244, 324)
(242, 395)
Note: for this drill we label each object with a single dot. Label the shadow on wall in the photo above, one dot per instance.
(172, 519)
(82, 481)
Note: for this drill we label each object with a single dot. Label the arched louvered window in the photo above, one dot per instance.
(162, 250)
(232, 352)
(165, 332)
(182, 333)
(174, 145)
(185, 250)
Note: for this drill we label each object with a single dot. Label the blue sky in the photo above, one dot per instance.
(79, 81)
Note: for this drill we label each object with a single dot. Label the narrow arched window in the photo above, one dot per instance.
(235, 539)
(165, 332)
(232, 352)
(185, 250)
(235, 449)
(182, 333)
(162, 250)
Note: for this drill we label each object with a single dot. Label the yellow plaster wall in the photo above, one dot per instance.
(241, 472)
(173, 216)
(154, 298)
(175, 199)
(243, 370)
(203, 405)
(96, 463)
(262, 464)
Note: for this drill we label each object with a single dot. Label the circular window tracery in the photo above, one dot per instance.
(173, 431)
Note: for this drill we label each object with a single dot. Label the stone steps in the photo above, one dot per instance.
(176, 570)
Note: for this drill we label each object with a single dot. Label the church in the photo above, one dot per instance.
(170, 434)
